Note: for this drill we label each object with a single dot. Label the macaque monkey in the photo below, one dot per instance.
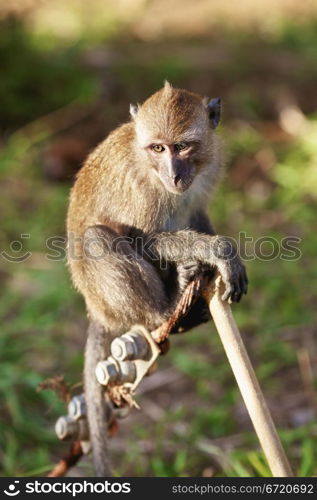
(138, 231)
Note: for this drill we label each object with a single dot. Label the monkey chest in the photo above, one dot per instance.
(176, 222)
(179, 218)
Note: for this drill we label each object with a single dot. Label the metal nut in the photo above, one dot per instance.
(127, 371)
(129, 346)
(68, 429)
(122, 349)
(77, 407)
(107, 372)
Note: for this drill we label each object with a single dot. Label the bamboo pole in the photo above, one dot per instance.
(247, 381)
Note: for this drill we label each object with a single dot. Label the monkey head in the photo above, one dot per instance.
(174, 129)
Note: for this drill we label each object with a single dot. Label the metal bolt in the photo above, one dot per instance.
(68, 429)
(77, 407)
(127, 371)
(122, 349)
(106, 372)
(131, 345)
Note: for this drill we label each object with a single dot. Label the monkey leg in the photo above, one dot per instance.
(120, 287)
(97, 349)
(198, 314)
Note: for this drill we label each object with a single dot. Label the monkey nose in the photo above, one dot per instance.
(177, 178)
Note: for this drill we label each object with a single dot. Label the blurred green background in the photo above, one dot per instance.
(68, 73)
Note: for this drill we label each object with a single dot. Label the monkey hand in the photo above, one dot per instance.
(231, 269)
(187, 272)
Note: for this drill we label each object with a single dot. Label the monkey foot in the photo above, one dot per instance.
(190, 295)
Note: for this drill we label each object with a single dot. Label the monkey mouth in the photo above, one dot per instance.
(176, 185)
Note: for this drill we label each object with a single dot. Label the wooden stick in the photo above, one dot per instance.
(247, 381)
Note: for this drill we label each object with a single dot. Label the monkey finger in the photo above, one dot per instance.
(237, 293)
(244, 282)
(236, 296)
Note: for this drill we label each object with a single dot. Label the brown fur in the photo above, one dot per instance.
(118, 194)
(116, 187)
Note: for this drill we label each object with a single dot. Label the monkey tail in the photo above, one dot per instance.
(96, 347)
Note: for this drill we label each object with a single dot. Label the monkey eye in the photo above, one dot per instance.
(180, 146)
(158, 148)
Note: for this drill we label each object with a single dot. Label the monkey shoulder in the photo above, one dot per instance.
(113, 149)
(117, 145)
(104, 166)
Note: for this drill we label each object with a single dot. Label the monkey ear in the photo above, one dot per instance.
(214, 111)
(167, 84)
(167, 87)
(134, 108)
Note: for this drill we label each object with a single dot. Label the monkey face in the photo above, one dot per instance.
(173, 165)
(176, 129)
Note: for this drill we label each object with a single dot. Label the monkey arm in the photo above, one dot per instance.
(188, 271)
(200, 222)
(217, 251)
